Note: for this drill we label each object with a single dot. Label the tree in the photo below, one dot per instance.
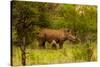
(23, 26)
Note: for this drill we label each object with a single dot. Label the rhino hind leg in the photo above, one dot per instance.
(42, 44)
(60, 45)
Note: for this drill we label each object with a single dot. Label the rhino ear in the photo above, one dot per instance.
(67, 30)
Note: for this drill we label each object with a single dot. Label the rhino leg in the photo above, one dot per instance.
(41, 44)
(61, 44)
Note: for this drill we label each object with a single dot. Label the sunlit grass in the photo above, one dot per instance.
(69, 53)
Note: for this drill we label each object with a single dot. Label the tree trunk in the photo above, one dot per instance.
(23, 50)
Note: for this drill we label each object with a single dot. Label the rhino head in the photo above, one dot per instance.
(69, 36)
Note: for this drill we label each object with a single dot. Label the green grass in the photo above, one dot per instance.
(70, 53)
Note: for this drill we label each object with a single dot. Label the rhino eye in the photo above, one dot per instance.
(37, 33)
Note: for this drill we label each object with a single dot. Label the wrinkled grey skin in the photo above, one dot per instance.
(55, 36)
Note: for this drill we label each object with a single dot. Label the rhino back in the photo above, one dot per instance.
(51, 34)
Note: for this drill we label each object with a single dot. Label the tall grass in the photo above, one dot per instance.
(69, 53)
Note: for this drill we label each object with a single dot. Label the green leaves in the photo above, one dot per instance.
(80, 18)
